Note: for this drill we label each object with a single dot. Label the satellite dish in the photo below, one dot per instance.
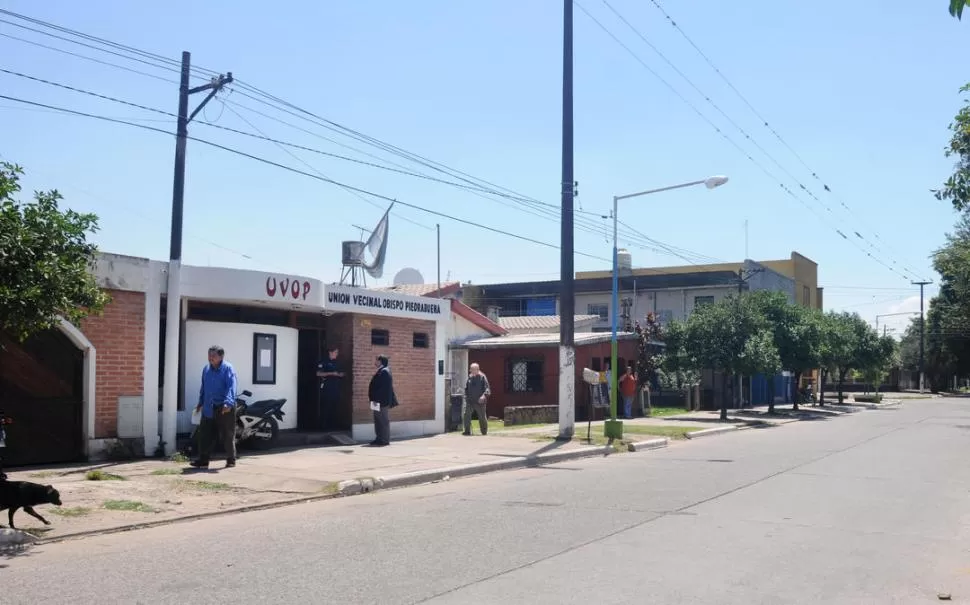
(408, 277)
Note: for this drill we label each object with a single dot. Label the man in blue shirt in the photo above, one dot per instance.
(217, 402)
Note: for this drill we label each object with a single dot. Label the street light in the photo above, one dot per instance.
(613, 427)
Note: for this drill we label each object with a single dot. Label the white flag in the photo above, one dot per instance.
(377, 246)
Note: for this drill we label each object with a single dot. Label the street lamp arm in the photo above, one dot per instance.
(650, 191)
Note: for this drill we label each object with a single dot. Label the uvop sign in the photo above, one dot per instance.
(374, 302)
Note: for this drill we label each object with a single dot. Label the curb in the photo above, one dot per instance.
(353, 487)
(650, 444)
(219, 513)
(711, 432)
(359, 486)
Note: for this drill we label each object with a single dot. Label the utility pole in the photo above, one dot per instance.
(437, 229)
(567, 293)
(922, 335)
(173, 316)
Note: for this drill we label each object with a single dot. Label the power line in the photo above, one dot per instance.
(545, 210)
(304, 173)
(630, 234)
(765, 122)
(788, 191)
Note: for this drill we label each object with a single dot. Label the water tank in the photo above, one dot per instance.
(624, 260)
(352, 253)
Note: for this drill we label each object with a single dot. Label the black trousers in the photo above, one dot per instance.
(221, 427)
(382, 425)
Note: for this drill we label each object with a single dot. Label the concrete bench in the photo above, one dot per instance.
(531, 414)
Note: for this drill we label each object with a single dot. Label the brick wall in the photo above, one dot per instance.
(118, 335)
(340, 333)
(413, 368)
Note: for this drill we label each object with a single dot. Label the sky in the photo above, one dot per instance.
(855, 93)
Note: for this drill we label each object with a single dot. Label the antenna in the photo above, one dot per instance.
(745, 239)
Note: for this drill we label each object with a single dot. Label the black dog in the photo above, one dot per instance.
(26, 495)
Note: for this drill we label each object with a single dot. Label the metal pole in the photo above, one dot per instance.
(437, 229)
(567, 296)
(173, 314)
(922, 335)
(614, 312)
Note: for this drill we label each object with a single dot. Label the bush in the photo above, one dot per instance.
(875, 398)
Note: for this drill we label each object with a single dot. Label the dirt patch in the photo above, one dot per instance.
(99, 500)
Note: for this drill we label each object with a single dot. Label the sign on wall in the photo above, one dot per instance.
(374, 302)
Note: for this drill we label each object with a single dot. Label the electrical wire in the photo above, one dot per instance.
(304, 173)
(766, 124)
(631, 236)
(787, 190)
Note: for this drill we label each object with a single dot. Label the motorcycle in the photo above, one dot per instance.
(257, 423)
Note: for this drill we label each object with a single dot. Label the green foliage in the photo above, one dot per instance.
(956, 7)
(956, 188)
(718, 335)
(648, 355)
(947, 348)
(796, 330)
(909, 346)
(45, 260)
(677, 369)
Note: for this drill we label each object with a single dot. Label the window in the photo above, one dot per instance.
(419, 340)
(703, 300)
(665, 316)
(264, 358)
(380, 338)
(523, 376)
(602, 310)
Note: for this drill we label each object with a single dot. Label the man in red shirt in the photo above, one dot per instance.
(628, 389)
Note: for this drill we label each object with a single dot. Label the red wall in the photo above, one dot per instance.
(118, 336)
(492, 363)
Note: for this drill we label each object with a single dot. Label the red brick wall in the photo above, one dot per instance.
(413, 369)
(118, 336)
(493, 363)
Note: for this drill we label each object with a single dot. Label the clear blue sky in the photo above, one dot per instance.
(862, 92)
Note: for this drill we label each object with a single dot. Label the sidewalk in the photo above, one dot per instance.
(118, 496)
(108, 496)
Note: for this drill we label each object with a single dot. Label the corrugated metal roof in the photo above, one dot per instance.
(538, 322)
(543, 340)
(420, 289)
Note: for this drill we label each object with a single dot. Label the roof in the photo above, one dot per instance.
(538, 322)
(427, 290)
(542, 340)
(605, 284)
(462, 310)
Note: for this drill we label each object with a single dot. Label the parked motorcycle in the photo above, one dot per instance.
(257, 423)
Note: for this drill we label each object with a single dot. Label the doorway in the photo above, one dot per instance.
(41, 387)
(309, 353)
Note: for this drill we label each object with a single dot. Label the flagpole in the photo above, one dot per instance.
(437, 229)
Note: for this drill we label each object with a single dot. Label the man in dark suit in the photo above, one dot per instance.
(380, 392)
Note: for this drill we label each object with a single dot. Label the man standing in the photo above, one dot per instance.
(476, 398)
(217, 401)
(330, 381)
(628, 389)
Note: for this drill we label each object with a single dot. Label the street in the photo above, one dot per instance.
(870, 507)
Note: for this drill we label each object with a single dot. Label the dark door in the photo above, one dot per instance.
(41, 383)
(308, 385)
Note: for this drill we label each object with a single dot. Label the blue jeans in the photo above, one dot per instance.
(628, 406)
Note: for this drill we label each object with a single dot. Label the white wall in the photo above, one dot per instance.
(237, 340)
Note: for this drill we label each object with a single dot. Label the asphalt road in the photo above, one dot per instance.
(867, 508)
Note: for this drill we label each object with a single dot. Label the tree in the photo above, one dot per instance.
(796, 335)
(956, 189)
(909, 346)
(677, 369)
(730, 336)
(45, 260)
(875, 355)
(841, 337)
(648, 352)
(948, 318)
(956, 7)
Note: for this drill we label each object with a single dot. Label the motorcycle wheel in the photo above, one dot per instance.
(262, 443)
